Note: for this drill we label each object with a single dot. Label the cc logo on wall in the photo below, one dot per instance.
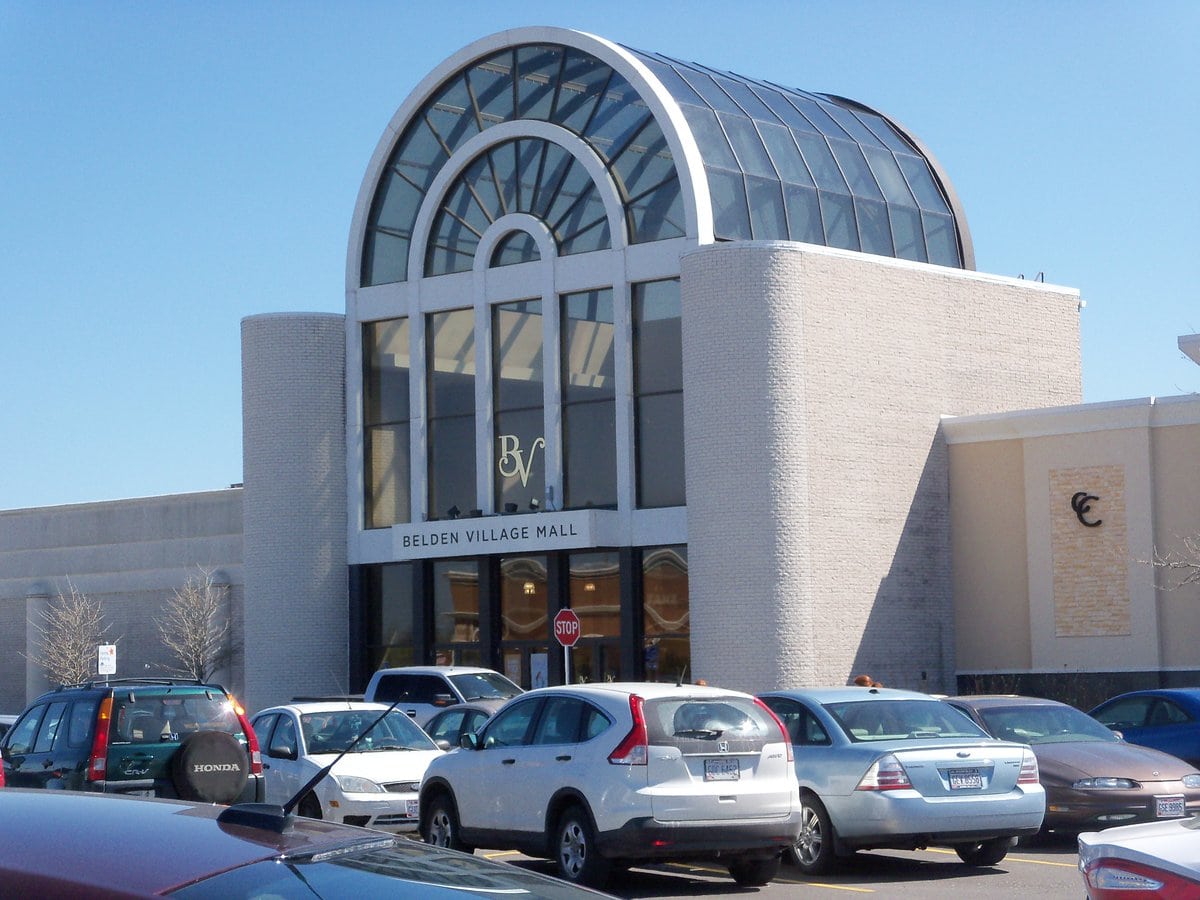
(1081, 502)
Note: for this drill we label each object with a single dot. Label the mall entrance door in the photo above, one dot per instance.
(597, 660)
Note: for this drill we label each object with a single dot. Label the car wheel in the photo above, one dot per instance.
(984, 853)
(210, 766)
(813, 850)
(575, 849)
(754, 872)
(310, 806)
(441, 825)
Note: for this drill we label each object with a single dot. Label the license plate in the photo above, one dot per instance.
(412, 808)
(1169, 807)
(965, 779)
(722, 770)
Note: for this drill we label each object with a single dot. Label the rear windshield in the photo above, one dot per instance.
(154, 718)
(694, 725)
(1045, 725)
(889, 720)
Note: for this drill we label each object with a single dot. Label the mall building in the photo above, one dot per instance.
(701, 357)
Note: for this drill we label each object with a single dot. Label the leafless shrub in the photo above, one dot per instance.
(1182, 564)
(71, 629)
(195, 626)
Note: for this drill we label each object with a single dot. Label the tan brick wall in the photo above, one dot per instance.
(1090, 565)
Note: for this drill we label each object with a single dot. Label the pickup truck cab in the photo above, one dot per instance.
(424, 691)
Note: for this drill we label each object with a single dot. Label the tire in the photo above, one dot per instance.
(579, 861)
(210, 766)
(984, 853)
(441, 827)
(310, 806)
(813, 850)
(754, 872)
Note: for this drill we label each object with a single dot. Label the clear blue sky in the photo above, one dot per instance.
(167, 168)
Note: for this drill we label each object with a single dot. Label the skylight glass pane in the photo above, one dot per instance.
(707, 88)
(941, 240)
(619, 114)
(421, 156)
(492, 85)
(385, 258)
(856, 129)
(815, 113)
(714, 146)
(672, 80)
(837, 215)
(804, 214)
(515, 248)
(780, 106)
(874, 229)
(554, 169)
(746, 99)
(645, 161)
(591, 236)
(658, 214)
(396, 203)
(452, 114)
(820, 161)
(884, 131)
(854, 167)
(920, 179)
(529, 159)
(576, 184)
(537, 77)
(748, 146)
(887, 173)
(784, 153)
(731, 218)
(907, 233)
(767, 219)
(584, 77)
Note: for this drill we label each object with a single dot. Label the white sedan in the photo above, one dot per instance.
(375, 785)
(1153, 859)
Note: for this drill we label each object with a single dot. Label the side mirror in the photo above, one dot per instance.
(281, 754)
(443, 744)
(444, 700)
(469, 741)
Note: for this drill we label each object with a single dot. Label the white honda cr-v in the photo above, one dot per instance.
(597, 775)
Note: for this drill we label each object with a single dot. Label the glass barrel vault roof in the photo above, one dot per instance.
(779, 163)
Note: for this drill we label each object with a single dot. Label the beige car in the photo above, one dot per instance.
(1093, 778)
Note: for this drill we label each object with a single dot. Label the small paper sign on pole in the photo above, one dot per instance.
(107, 661)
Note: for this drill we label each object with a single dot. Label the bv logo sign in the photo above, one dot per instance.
(513, 460)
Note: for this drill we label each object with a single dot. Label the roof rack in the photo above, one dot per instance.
(103, 682)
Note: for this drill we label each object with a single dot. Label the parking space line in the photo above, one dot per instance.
(1021, 859)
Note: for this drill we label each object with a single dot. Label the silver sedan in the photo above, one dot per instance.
(881, 768)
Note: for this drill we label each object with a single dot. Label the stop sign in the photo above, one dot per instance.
(567, 627)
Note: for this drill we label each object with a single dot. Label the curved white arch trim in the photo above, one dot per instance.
(507, 224)
(689, 166)
(498, 134)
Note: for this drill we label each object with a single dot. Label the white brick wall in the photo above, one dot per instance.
(295, 506)
(818, 527)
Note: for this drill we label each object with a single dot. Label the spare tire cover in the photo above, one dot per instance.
(210, 766)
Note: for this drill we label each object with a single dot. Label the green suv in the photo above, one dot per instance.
(148, 737)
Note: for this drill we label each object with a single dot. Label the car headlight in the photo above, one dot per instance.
(1191, 781)
(355, 784)
(1105, 783)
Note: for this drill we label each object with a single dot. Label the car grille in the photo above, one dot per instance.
(402, 787)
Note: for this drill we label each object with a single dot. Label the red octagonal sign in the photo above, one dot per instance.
(567, 627)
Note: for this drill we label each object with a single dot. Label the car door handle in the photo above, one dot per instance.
(266, 766)
(507, 762)
(563, 758)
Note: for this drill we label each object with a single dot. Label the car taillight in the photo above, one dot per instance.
(97, 768)
(885, 774)
(1029, 769)
(787, 740)
(1110, 879)
(632, 751)
(251, 741)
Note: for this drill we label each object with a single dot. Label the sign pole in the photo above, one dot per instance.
(566, 664)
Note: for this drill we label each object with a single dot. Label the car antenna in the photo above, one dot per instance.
(682, 672)
(279, 819)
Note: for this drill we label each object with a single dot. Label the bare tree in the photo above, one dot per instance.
(195, 626)
(72, 627)
(1183, 564)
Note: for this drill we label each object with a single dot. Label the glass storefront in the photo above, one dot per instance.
(658, 393)
(450, 384)
(385, 422)
(496, 611)
(588, 400)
